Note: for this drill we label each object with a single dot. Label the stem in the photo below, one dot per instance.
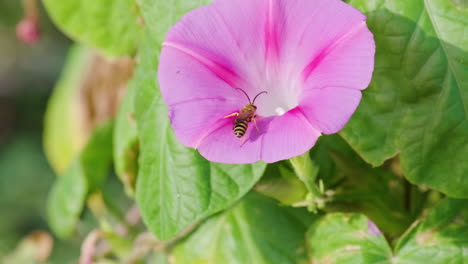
(31, 10)
(307, 172)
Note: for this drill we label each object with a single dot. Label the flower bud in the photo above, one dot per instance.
(28, 31)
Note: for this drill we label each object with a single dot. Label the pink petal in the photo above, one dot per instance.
(192, 120)
(229, 36)
(349, 62)
(222, 146)
(280, 138)
(309, 27)
(288, 136)
(373, 229)
(183, 78)
(329, 109)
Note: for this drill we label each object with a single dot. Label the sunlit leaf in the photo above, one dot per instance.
(64, 135)
(112, 26)
(417, 103)
(86, 96)
(345, 238)
(161, 15)
(256, 230)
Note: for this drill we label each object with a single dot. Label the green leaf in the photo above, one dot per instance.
(112, 26)
(66, 201)
(255, 230)
(281, 183)
(161, 15)
(64, 135)
(355, 186)
(306, 170)
(126, 140)
(441, 238)
(417, 102)
(346, 238)
(176, 186)
(86, 174)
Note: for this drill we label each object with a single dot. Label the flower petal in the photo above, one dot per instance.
(228, 37)
(192, 120)
(329, 109)
(279, 138)
(326, 41)
(221, 145)
(288, 136)
(183, 78)
(348, 63)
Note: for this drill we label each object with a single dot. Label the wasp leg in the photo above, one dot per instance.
(233, 114)
(243, 140)
(255, 123)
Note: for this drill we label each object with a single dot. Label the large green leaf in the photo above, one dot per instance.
(256, 231)
(346, 238)
(87, 173)
(442, 237)
(126, 140)
(112, 26)
(417, 102)
(64, 135)
(161, 15)
(176, 186)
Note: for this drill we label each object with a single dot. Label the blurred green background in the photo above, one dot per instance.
(27, 77)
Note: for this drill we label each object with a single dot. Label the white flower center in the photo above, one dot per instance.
(283, 95)
(280, 111)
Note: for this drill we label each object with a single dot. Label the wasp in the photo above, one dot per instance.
(245, 116)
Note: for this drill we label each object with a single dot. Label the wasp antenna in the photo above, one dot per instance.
(259, 94)
(245, 94)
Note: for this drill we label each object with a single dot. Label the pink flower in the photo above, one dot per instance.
(27, 31)
(373, 229)
(312, 57)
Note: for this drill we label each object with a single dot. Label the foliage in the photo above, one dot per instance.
(416, 105)
(85, 174)
(348, 238)
(111, 26)
(400, 163)
(63, 132)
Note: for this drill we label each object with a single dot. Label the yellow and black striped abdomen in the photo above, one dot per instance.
(240, 128)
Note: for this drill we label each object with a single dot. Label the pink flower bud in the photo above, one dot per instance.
(27, 31)
(373, 229)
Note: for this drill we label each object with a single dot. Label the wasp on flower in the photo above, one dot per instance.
(245, 116)
(312, 57)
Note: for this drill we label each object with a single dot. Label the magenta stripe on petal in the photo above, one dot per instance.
(271, 38)
(223, 73)
(329, 48)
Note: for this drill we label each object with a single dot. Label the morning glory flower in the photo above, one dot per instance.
(312, 57)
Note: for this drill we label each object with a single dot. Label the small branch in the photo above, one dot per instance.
(88, 248)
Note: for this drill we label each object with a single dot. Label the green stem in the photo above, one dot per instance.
(307, 172)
